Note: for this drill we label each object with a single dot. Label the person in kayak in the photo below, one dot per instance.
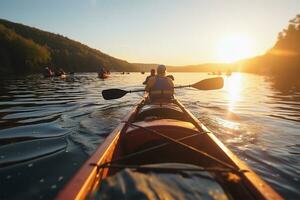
(152, 73)
(47, 72)
(59, 72)
(160, 86)
(101, 70)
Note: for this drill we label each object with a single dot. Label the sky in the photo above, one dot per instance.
(172, 32)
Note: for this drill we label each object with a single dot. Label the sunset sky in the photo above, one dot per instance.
(176, 32)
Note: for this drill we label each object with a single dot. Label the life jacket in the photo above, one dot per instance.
(161, 89)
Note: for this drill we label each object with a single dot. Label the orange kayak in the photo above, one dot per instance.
(166, 132)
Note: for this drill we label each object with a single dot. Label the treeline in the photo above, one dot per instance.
(283, 59)
(24, 49)
(18, 54)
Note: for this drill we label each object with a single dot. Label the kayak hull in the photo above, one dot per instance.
(146, 137)
(103, 75)
(62, 76)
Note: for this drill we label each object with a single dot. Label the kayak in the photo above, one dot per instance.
(166, 132)
(103, 75)
(63, 76)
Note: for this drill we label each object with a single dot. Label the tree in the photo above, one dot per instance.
(21, 55)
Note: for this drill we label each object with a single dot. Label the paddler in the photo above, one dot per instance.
(152, 74)
(160, 86)
(102, 71)
(61, 71)
(47, 72)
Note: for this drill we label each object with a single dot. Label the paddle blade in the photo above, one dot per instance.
(209, 84)
(113, 93)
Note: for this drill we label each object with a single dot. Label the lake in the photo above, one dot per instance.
(50, 126)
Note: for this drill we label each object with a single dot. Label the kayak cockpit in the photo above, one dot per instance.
(160, 141)
(160, 111)
(147, 163)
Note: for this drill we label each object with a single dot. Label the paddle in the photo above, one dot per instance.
(206, 84)
(117, 93)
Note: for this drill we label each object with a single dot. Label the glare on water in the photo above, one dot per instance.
(233, 86)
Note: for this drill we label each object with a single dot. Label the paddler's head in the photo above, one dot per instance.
(161, 70)
(152, 72)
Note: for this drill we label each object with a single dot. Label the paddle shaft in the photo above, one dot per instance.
(132, 91)
(206, 84)
(183, 86)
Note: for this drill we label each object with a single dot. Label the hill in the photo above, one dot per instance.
(18, 54)
(209, 67)
(25, 49)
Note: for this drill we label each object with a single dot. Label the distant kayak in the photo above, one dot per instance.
(63, 76)
(103, 75)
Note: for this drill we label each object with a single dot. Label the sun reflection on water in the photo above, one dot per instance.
(233, 86)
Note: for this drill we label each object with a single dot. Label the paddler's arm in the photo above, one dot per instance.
(150, 84)
(171, 83)
(145, 82)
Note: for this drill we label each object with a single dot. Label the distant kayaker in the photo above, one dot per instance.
(47, 72)
(152, 73)
(160, 86)
(101, 70)
(59, 72)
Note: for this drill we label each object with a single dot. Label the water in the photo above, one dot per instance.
(49, 127)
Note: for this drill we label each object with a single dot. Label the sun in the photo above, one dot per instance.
(234, 48)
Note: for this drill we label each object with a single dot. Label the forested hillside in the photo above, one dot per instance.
(18, 54)
(24, 49)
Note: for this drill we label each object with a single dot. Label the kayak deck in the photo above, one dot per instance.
(140, 147)
(140, 138)
(159, 133)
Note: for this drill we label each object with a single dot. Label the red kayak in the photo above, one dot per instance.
(103, 75)
(166, 132)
